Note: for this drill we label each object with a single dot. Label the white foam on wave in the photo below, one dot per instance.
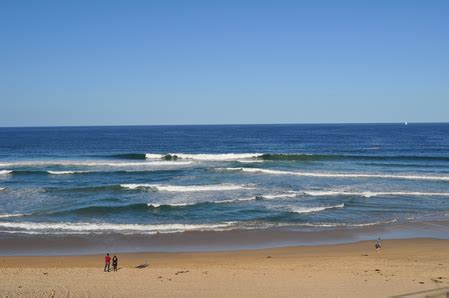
(334, 225)
(2, 188)
(94, 163)
(49, 227)
(5, 172)
(279, 196)
(66, 172)
(88, 228)
(235, 200)
(12, 215)
(339, 175)
(158, 205)
(250, 160)
(187, 188)
(368, 194)
(315, 209)
(207, 157)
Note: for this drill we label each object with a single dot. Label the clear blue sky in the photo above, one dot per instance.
(194, 62)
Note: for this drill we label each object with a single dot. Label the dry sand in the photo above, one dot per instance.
(349, 270)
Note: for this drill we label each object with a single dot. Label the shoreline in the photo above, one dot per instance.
(340, 270)
(210, 241)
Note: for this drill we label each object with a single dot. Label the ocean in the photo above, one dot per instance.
(154, 180)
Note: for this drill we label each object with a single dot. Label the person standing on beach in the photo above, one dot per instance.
(114, 263)
(107, 263)
(378, 245)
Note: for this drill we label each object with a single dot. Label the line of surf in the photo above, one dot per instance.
(272, 156)
(204, 156)
(186, 188)
(338, 175)
(12, 215)
(315, 209)
(50, 227)
(66, 172)
(368, 194)
(92, 163)
(89, 227)
(344, 225)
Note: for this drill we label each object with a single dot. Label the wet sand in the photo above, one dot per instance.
(345, 270)
(196, 241)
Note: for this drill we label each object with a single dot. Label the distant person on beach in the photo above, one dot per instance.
(378, 245)
(107, 263)
(114, 263)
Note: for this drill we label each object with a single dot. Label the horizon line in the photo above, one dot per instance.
(226, 124)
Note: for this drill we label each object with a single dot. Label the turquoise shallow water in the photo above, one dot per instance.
(166, 179)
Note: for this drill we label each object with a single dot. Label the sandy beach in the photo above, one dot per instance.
(347, 270)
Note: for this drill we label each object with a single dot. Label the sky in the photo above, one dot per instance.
(111, 62)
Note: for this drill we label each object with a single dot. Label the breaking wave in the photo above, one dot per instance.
(318, 157)
(93, 163)
(80, 227)
(279, 196)
(315, 209)
(186, 188)
(12, 215)
(344, 225)
(274, 156)
(66, 172)
(204, 157)
(368, 194)
(339, 175)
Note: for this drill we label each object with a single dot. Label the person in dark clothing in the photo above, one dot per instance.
(378, 245)
(114, 263)
(107, 263)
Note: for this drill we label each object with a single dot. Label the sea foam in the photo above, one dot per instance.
(279, 196)
(339, 175)
(50, 227)
(12, 215)
(66, 172)
(95, 163)
(368, 194)
(187, 188)
(205, 157)
(315, 209)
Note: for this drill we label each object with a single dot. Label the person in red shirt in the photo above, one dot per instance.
(107, 262)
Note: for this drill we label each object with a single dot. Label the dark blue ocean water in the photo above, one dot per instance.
(149, 179)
